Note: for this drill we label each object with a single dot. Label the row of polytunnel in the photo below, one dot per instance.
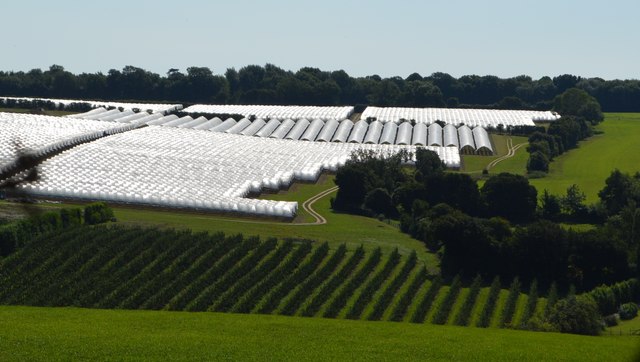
(456, 116)
(280, 112)
(145, 107)
(344, 131)
(46, 134)
(189, 168)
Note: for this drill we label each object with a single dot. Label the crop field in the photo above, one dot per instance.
(591, 163)
(134, 268)
(28, 333)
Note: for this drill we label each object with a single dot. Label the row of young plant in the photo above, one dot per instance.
(122, 267)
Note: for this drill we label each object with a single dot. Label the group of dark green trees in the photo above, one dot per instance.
(500, 229)
(269, 84)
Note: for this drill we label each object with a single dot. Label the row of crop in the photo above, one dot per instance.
(340, 300)
(464, 314)
(442, 313)
(229, 297)
(385, 299)
(425, 303)
(272, 300)
(333, 283)
(247, 302)
(306, 288)
(403, 304)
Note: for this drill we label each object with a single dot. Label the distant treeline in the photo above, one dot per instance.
(270, 84)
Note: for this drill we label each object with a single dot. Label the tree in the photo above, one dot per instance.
(573, 202)
(577, 315)
(550, 205)
(428, 162)
(379, 201)
(577, 102)
(538, 161)
(510, 196)
(619, 189)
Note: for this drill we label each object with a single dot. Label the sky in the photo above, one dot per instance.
(387, 38)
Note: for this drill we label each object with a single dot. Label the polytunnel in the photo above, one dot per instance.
(143, 120)
(327, 131)
(228, 123)
(254, 127)
(115, 116)
(178, 122)
(97, 116)
(467, 146)
(373, 133)
(282, 130)
(196, 122)
(209, 124)
(90, 113)
(358, 132)
(342, 133)
(450, 136)
(404, 134)
(483, 143)
(163, 120)
(312, 131)
(419, 135)
(239, 127)
(134, 117)
(297, 130)
(435, 135)
(389, 133)
(268, 128)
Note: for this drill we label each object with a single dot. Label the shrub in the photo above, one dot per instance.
(628, 311)
(611, 320)
(490, 304)
(510, 305)
(442, 314)
(97, 213)
(427, 301)
(462, 319)
(576, 314)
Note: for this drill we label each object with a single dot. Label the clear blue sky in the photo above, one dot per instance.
(496, 37)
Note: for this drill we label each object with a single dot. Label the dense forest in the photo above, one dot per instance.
(269, 84)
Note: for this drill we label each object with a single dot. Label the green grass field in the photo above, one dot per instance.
(591, 163)
(28, 333)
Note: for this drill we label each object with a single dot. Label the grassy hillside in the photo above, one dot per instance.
(70, 333)
(133, 268)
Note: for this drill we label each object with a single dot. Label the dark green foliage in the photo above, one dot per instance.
(244, 283)
(385, 299)
(298, 276)
(550, 205)
(510, 196)
(332, 284)
(312, 283)
(577, 102)
(367, 293)
(442, 314)
(532, 302)
(490, 304)
(464, 315)
(577, 315)
(379, 202)
(538, 161)
(97, 213)
(340, 300)
(71, 217)
(247, 303)
(427, 300)
(510, 306)
(428, 163)
(403, 304)
(608, 298)
(628, 311)
(552, 299)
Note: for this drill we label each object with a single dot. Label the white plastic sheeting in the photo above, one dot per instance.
(178, 122)
(44, 134)
(239, 127)
(467, 146)
(162, 120)
(283, 129)
(212, 123)
(195, 123)
(456, 116)
(373, 133)
(404, 134)
(253, 128)
(186, 168)
(450, 136)
(389, 133)
(313, 130)
(228, 123)
(343, 131)
(298, 129)
(435, 135)
(280, 112)
(268, 128)
(419, 135)
(483, 143)
(328, 131)
(144, 107)
(358, 132)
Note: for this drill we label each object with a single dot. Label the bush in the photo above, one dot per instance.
(628, 311)
(612, 320)
(577, 315)
(97, 213)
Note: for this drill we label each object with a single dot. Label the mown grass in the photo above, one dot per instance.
(28, 333)
(591, 163)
